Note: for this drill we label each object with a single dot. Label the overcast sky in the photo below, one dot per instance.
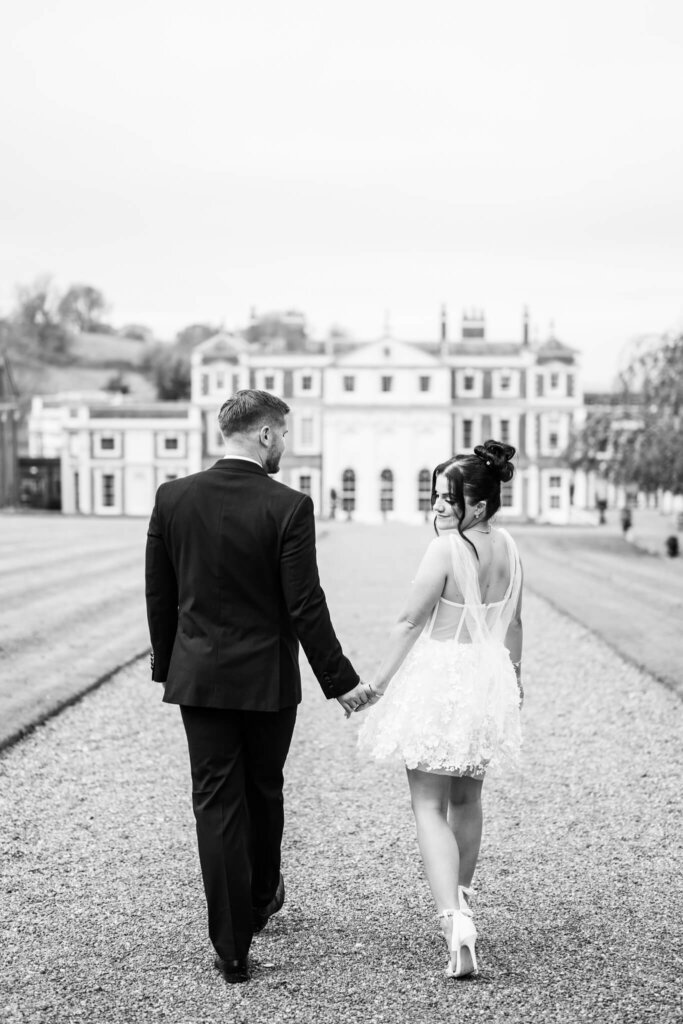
(196, 159)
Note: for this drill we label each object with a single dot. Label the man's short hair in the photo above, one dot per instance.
(248, 409)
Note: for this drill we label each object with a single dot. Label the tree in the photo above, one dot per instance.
(136, 332)
(656, 374)
(81, 307)
(117, 384)
(170, 371)
(288, 327)
(36, 317)
(194, 335)
(637, 436)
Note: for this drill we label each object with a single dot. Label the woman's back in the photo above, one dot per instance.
(480, 596)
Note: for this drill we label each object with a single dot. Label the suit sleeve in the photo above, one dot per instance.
(307, 606)
(161, 594)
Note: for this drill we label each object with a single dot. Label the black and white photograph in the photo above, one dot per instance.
(341, 512)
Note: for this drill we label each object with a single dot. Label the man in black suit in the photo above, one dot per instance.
(232, 586)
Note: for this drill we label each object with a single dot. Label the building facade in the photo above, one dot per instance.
(368, 424)
(114, 456)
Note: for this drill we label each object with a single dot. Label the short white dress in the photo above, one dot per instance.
(453, 706)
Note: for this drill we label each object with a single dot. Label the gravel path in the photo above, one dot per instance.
(580, 899)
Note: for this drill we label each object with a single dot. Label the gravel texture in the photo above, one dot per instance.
(580, 896)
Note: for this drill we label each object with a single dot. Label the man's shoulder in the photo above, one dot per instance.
(178, 484)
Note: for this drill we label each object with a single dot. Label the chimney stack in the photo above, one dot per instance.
(525, 328)
(473, 325)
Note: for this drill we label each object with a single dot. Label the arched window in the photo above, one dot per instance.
(386, 491)
(348, 490)
(424, 490)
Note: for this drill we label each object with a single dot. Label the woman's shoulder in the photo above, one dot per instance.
(439, 549)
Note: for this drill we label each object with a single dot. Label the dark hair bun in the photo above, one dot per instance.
(497, 456)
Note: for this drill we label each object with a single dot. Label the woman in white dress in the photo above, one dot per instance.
(454, 663)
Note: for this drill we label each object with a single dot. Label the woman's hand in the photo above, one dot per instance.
(373, 694)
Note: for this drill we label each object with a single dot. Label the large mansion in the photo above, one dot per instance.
(368, 423)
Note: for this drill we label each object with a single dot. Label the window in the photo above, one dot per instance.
(107, 444)
(553, 439)
(467, 433)
(349, 383)
(570, 385)
(424, 490)
(220, 380)
(387, 383)
(205, 384)
(555, 481)
(108, 490)
(468, 382)
(269, 382)
(505, 382)
(348, 490)
(539, 384)
(307, 430)
(171, 476)
(506, 495)
(555, 501)
(386, 491)
(307, 383)
(305, 484)
(554, 381)
(505, 431)
(425, 383)
(171, 443)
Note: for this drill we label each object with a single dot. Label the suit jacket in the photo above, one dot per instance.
(232, 585)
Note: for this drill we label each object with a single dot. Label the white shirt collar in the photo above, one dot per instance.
(244, 458)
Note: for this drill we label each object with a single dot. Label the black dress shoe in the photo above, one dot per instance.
(234, 971)
(261, 915)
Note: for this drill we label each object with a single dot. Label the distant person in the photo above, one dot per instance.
(626, 520)
(453, 660)
(232, 586)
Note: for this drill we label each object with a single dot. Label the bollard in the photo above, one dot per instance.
(672, 546)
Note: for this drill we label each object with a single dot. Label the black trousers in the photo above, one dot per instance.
(237, 758)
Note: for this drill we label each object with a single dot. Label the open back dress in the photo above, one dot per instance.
(453, 706)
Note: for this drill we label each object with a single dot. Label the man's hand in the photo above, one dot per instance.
(362, 696)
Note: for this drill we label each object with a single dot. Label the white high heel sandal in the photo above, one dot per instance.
(465, 894)
(461, 947)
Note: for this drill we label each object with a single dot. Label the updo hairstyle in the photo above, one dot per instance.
(477, 477)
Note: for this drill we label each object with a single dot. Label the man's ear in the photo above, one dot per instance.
(264, 434)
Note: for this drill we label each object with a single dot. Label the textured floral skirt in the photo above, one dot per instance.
(452, 708)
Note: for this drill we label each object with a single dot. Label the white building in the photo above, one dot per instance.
(114, 456)
(368, 423)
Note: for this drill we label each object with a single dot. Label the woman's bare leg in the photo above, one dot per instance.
(465, 819)
(438, 846)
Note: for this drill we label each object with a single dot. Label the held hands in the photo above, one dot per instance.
(361, 697)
